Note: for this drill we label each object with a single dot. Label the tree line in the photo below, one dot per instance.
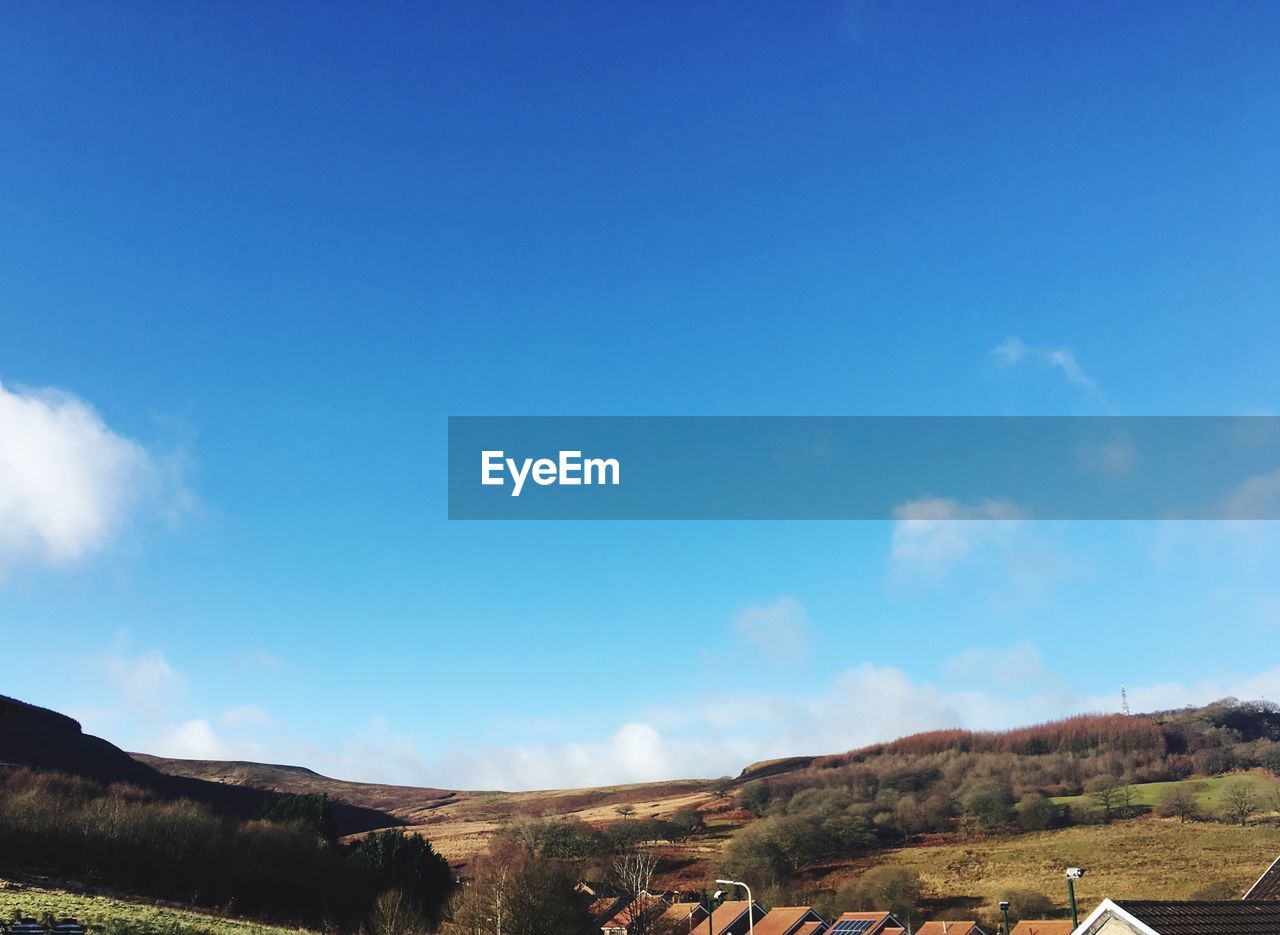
(285, 866)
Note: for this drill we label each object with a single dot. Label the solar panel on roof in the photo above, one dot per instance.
(851, 926)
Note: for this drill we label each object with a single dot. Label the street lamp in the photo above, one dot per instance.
(1073, 874)
(751, 916)
(1004, 911)
(709, 903)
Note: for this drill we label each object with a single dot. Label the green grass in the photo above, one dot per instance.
(1209, 794)
(104, 912)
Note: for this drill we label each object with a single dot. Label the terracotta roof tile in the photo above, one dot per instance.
(949, 927)
(725, 915)
(784, 920)
(1043, 927)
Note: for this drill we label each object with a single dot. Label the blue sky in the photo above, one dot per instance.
(252, 257)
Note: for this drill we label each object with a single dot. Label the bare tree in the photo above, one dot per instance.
(1105, 792)
(394, 913)
(1177, 802)
(1241, 802)
(626, 810)
(633, 874)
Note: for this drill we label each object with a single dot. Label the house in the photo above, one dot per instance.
(1193, 917)
(603, 908)
(791, 920)
(681, 918)
(1268, 885)
(866, 923)
(643, 907)
(1043, 927)
(731, 918)
(949, 927)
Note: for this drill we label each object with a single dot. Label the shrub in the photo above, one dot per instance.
(1035, 812)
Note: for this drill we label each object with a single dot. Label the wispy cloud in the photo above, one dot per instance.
(779, 629)
(260, 659)
(932, 534)
(1012, 352)
(865, 703)
(67, 480)
(142, 682)
(1256, 498)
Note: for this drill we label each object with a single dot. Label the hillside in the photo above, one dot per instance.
(1142, 858)
(972, 814)
(886, 793)
(401, 803)
(111, 914)
(33, 736)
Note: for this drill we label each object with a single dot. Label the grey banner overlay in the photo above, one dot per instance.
(871, 467)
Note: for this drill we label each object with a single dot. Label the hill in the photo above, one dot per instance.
(394, 803)
(886, 793)
(38, 737)
(972, 814)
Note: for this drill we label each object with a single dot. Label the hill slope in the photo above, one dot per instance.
(108, 913)
(37, 737)
(402, 803)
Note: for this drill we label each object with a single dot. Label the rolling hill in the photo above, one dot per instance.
(37, 737)
(960, 865)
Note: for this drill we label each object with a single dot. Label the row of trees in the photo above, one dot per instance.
(571, 838)
(285, 866)
(1241, 800)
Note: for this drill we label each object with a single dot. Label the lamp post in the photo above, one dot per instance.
(751, 916)
(1004, 911)
(709, 903)
(1073, 874)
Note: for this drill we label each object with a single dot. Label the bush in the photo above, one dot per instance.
(1029, 904)
(686, 823)
(895, 889)
(987, 804)
(1178, 802)
(1035, 812)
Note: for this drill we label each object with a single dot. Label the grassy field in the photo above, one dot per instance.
(100, 912)
(1209, 793)
(1144, 858)
(462, 828)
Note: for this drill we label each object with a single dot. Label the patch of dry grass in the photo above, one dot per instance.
(1140, 859)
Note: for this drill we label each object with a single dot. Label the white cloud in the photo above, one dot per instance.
(1257, 498)
(865, 703)
(192, 740)
(143, 682)
(259, 658)
(67, 480)
(245, 715)
(779, 629)
(1017, 665)
(1012, 351)
(1115, 457)
(932, 534)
